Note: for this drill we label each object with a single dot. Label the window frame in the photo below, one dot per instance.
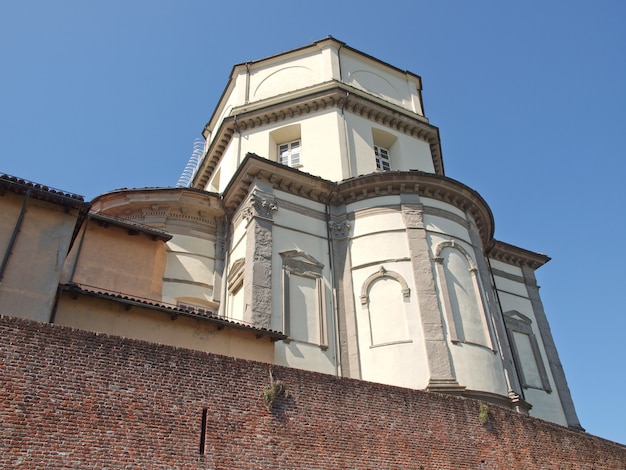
(288, 160)
(383, 162)
(516, 322)
(299, 264)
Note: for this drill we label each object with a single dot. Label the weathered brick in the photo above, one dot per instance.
(74, 399)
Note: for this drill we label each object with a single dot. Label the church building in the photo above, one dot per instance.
(316, 229)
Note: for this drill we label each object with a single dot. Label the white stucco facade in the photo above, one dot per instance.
(330, 219)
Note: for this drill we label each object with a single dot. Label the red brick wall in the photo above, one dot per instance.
(74, 399)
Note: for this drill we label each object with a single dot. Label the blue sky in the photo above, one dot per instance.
(529, 98)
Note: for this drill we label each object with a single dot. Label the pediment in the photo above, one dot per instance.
(517, 316)
(299, 257)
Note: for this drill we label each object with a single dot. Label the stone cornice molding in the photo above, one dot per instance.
(423, 184)
(162, 204)
(132, 227)
(331, 94)
(516, 256)
(356, 189)
(280, 177)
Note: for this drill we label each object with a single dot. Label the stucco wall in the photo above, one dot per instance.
(111, 258)
(300, 226)
(514, 297)
(102, 316)
(35, 262)
(73, 399)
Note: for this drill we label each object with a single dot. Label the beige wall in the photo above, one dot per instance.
(32, 274)
(105, 316)
(110, 259)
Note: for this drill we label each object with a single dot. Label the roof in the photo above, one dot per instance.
(39, 191)
(175, 311)
(132, 227)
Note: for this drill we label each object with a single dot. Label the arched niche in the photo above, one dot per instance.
(384, 296)
(462, 296)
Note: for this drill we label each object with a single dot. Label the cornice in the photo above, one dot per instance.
(364, 187)
(331, 94)
(437, 187)
(281, 177)
(132, 227)
(196, 206)
(516, 256)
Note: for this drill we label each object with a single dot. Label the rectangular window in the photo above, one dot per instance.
(289, 153)
(382, 158)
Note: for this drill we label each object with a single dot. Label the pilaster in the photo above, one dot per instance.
(442, 377)
(339, 227)
(495, 315)
(258, 211)
(548, 343)
(220, 259)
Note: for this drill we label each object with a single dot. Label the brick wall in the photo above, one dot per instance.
(74, 399)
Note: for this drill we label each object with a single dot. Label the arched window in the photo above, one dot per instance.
(236, 306)
(462, 298)
(384, 295)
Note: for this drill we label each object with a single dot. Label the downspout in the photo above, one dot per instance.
(335, 309)
(247, 83)
(345, 135)
(343, 115)
(53, 313)
(238, 141)
(16, 231)
(223, 300)
(78, 251)
(508, 334)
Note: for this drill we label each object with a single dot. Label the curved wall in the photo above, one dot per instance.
(194, 254)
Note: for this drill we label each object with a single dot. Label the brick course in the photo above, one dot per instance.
(75, 399)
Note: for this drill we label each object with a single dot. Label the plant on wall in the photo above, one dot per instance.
(483, 414)
(275, 390)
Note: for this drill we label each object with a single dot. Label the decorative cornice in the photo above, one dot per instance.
(332, 94)
(364, 187)
(132, 227)
(161, 205)
(516, 256)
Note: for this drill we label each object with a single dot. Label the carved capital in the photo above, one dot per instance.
(339, 229)
(258, 206)
(413, 218)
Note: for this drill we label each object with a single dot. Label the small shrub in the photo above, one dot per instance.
(275, 390)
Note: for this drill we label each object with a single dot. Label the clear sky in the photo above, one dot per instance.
(529, 97)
